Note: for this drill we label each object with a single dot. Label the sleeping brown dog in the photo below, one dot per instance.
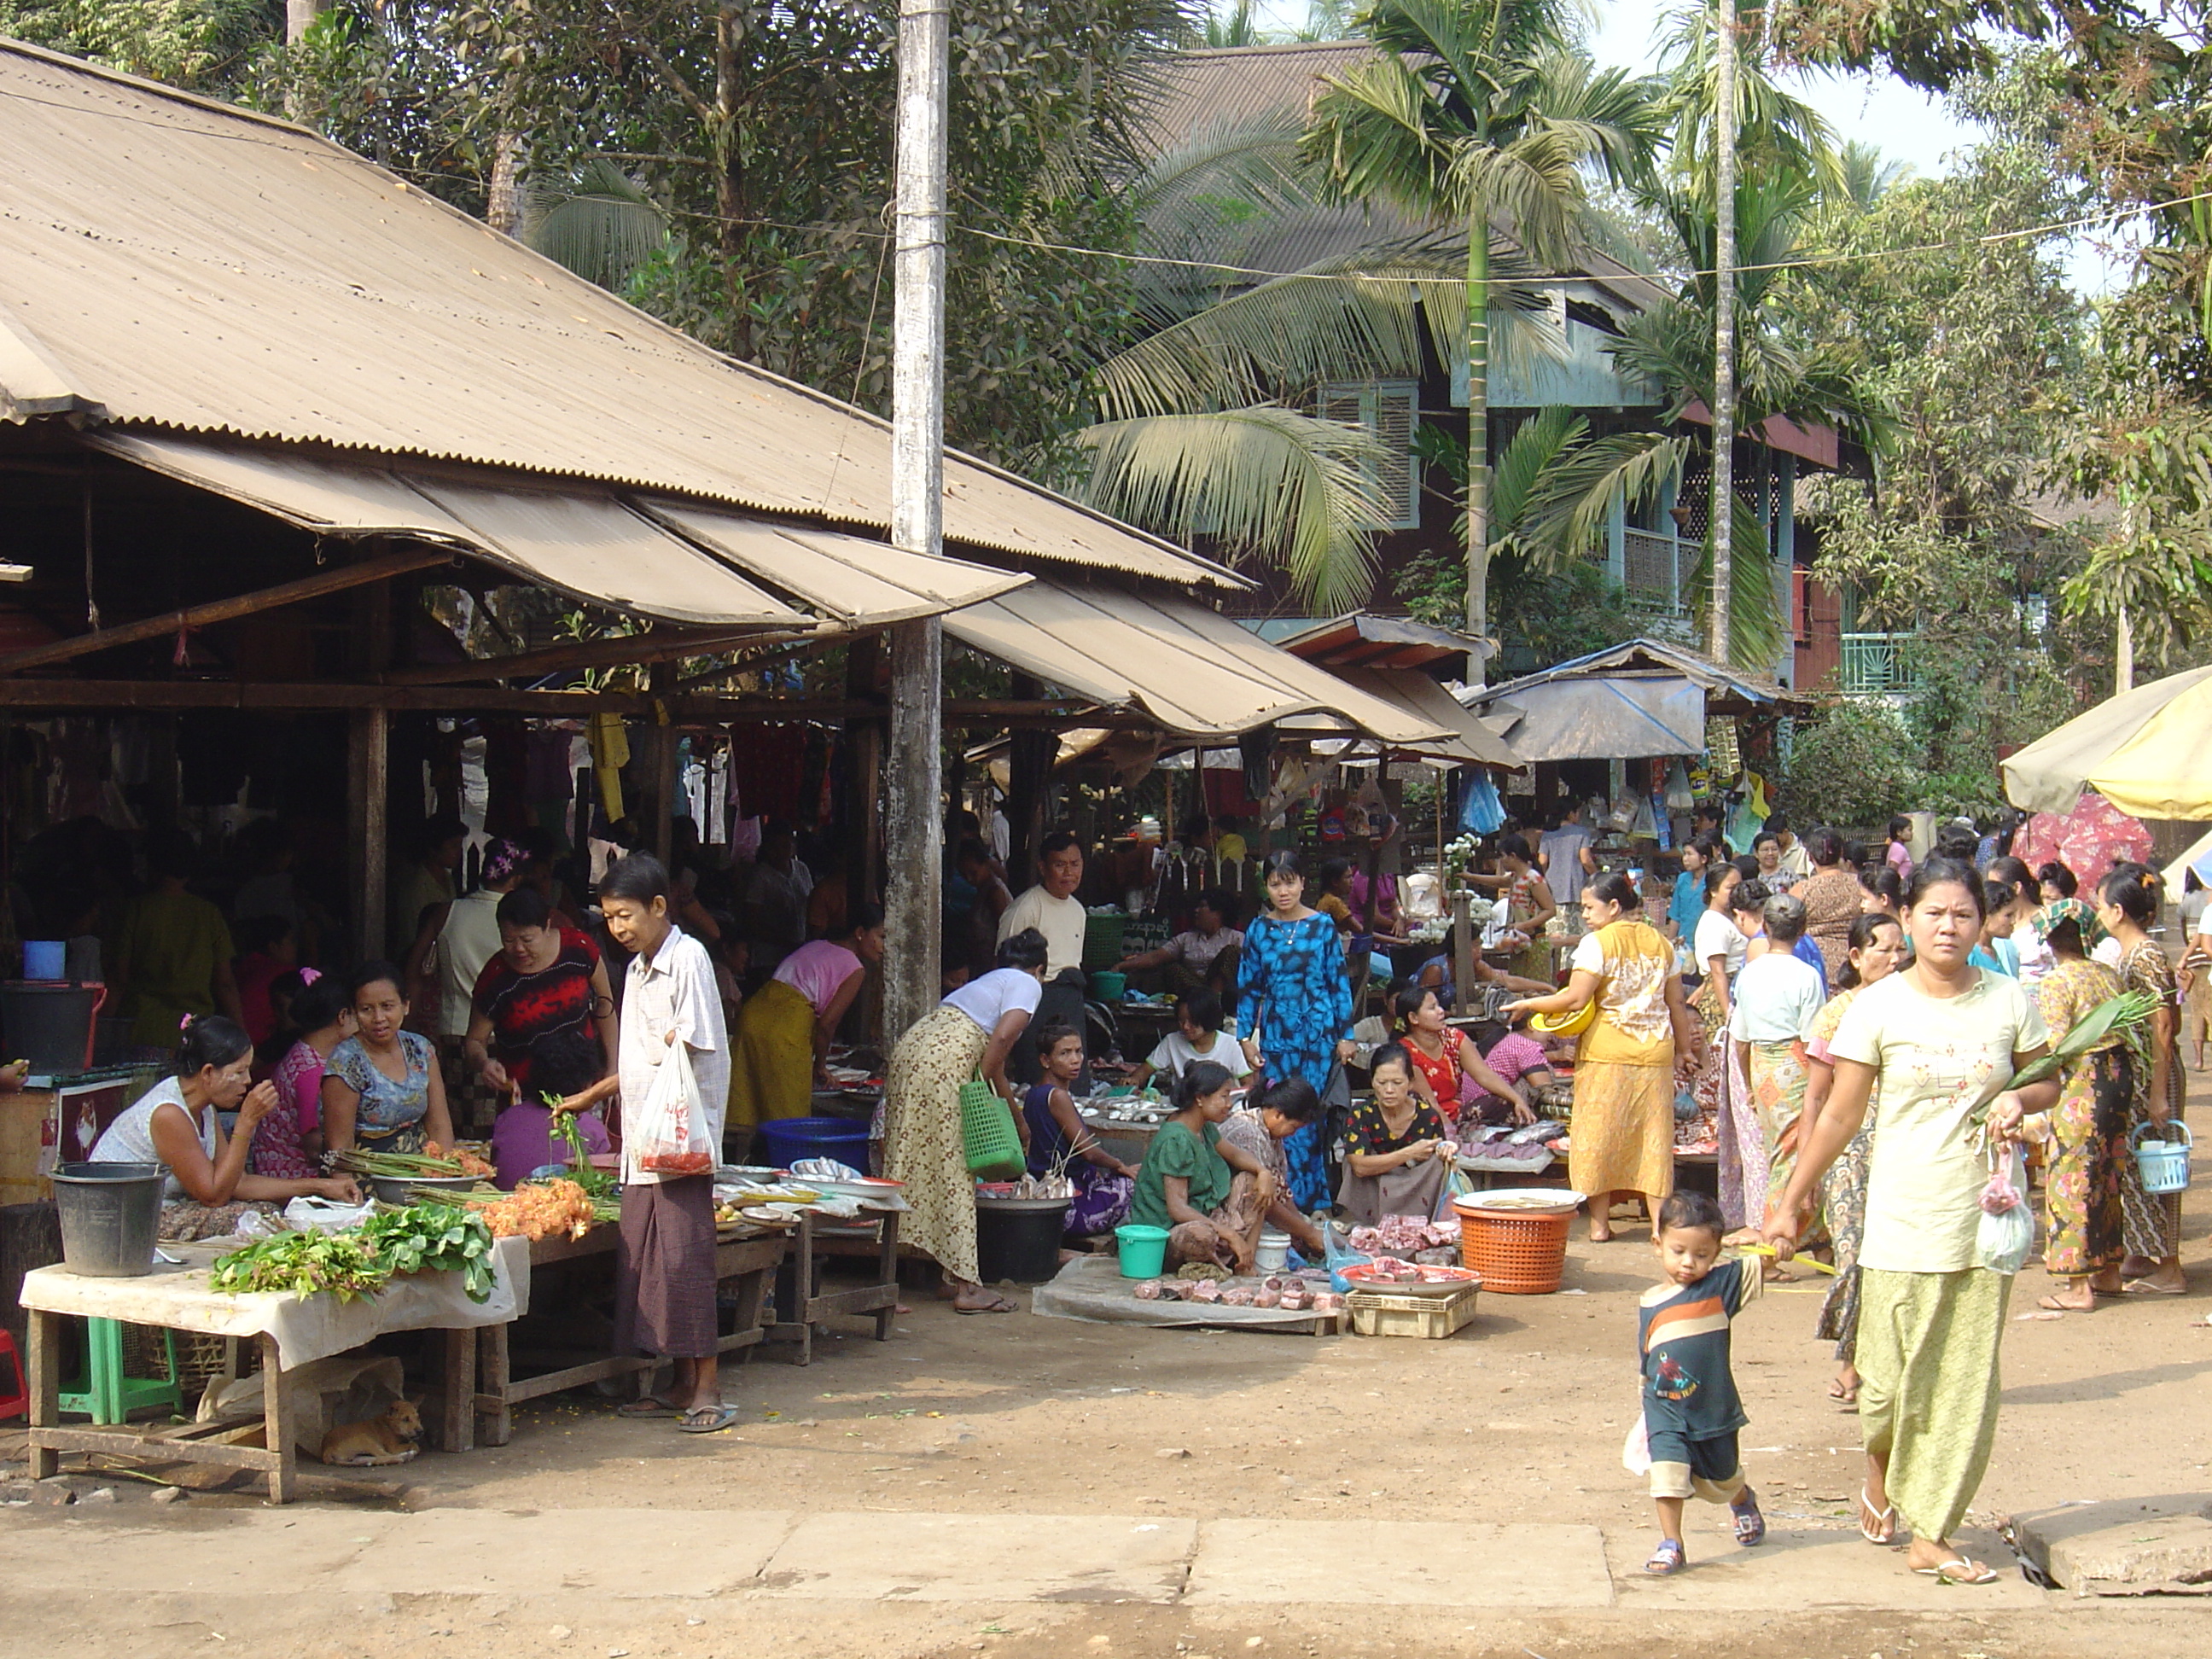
(390, 1439)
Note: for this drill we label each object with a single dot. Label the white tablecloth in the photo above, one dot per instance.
(307, 1328)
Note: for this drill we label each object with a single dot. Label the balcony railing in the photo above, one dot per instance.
(1653, 566)
(1880, 664)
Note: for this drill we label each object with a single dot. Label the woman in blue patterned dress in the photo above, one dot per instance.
(1295, 1004)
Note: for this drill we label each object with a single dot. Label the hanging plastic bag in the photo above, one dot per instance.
(1480, 811)
(1679, 798)
(2006, 1232)
(672, 1138)
(1636, 1449)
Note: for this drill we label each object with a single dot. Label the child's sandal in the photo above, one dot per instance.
(1750, 1524)
(1668, 1559)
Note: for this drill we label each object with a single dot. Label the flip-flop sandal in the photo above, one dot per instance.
(1668, 1559)
(2052, 1304)
(1958, 1570)
(2144, 1287)
(652, 1406)
(708, 1420)
(1886, 1519)
(997, 1305)
(1750, 1524)
(1841, 1395)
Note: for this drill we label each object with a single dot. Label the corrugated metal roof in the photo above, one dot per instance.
(581, 539)
(1198, 673)
(171, 262)
(1602, 718)
(1472, 740)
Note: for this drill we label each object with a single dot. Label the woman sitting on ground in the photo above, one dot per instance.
(1395, 1162)
(1260, 1128)
(206, 1188)
(1059, 1141)
(1444, 1058)
(1210, 1194)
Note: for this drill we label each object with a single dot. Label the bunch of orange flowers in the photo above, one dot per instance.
(539, 1209)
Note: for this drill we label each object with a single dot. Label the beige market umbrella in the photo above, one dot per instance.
(2145, 750)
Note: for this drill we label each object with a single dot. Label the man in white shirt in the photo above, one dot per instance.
(665, 1261)
(1053, 910)
(1797, 862)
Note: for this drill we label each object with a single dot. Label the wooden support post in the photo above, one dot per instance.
(368, 780)
(45, 1384)
(661, 676)
(913, 878)
(1463, 951)
(864, 761)
(276, 1418)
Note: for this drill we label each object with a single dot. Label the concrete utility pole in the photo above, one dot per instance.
(298, 14)
(1724, 135)
(914, 767)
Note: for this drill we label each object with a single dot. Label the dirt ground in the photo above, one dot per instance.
(1520, 1419)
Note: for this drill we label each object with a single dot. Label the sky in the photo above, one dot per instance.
(1904, 123)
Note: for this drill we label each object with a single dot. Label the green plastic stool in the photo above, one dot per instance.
(109, 1396)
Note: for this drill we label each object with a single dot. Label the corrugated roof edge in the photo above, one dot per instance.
(1202, 568)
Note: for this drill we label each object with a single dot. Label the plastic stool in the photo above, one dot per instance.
(110, 1396)
(17, 1404)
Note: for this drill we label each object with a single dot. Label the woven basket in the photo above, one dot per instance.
(1515, 1255)
(993, 1146)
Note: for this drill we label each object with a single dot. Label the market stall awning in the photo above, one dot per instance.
(2144, 751)
(1472, 741)
(1195, 671)
(1602, 718)
(848, 578)
(1362, 639)
(589, 541)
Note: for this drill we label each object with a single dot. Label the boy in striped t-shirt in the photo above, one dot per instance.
(1692, 1412)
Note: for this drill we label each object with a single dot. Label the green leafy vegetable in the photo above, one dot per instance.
(2126, 1014)
(341, 1264)
(422, 1238)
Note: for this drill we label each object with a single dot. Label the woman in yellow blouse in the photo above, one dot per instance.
(1623, 1135)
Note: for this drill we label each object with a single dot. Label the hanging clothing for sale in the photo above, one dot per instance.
(768, 771)
(507, 776)
(610, 754)
(1257, 750)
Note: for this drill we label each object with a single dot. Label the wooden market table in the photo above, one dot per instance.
(875, 1235)
(743, 1263)
(291, 1330)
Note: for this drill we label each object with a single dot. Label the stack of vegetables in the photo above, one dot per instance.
(535, 1210)
(421, 1238)
(434, 1161)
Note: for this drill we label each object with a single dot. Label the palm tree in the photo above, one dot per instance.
(1476, 112)
(1576, 477)
(1200, 430)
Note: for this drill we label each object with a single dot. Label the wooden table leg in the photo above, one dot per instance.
(277, 1424)
(496, 1365)
(887, 1273)
(457, 1410)
(45, 1386)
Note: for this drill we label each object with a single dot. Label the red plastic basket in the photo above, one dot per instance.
(1516, 1255)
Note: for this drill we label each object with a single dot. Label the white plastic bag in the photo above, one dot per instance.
(1636, 1450)
(671, 1131)
(2006, 1233)
(321, 1215)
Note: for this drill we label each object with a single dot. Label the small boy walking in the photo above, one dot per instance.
(1691, 1410)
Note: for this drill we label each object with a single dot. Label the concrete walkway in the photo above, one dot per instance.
(875, 1556)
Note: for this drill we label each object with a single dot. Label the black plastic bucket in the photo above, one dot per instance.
(110, 1215)
(1018, 1238)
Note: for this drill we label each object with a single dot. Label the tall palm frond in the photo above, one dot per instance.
(1567, 510)
(599, 222)
(1774, 126)
(1359, 316)
(1262, 479)
(1868, 175)
(1248, 164)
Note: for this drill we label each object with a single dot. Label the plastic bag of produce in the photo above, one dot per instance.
(673, 1137)
(2006, 1231)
